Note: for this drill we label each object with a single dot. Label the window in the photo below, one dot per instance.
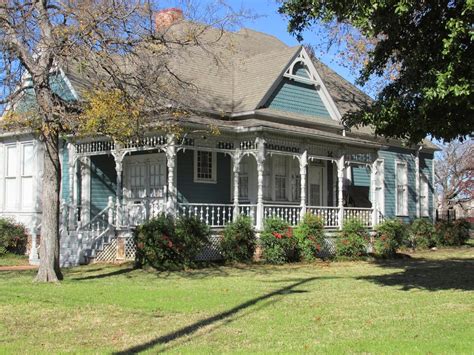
(11, 172)
(401, 189)
(27, 175)
(267, 191)
(424, 193)
(281, 168)
(204, 166)
(244, 180)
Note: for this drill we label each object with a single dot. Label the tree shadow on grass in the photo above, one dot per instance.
(104, 275)
(226, 317)
(425, 274)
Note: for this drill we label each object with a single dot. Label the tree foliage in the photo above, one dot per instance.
(429, 43)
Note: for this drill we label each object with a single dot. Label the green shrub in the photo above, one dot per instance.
(277, 242)
(13, 237)
(422, 234)
(309, 235)
(452, 233)
(352, 240)
(238, 242)
(389, 236)
(164, 243)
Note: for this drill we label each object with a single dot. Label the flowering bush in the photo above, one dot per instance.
(277, 242)
(13, 237)
(309, 235)
(238, 240)
(164, 243)
(352, 240)
(422, 234)
(389, 237)
(452, 233)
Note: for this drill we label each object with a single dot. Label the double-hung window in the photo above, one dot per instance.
(281, 169)
(424, 193)
(244, 180)
(402, 188)
(11, 180)
(205, 166)
(27, 175)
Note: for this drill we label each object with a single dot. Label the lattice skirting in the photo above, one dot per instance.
(211, 252)
(108, 252)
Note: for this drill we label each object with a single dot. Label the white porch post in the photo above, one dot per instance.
(373, 171)
(236, 169)
(85, 189)
(340, 187)
(303, 172)
(417, 183)
(118, 157)
(72, 182)
(33, 257)
(260, 168)
(171, 164)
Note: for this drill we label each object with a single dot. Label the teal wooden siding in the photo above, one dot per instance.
(103, 182)
(292, 96)
(390, 156)
(189, 191)
(426, 168)
(65, 175)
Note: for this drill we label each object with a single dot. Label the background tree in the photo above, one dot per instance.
(454, 173)
(424, 47)
(121, 54)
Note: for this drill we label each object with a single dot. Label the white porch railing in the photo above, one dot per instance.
(365, 215)
(329, 215)
(213, 214)
(289, 213)
(250, 211)
(141, 210)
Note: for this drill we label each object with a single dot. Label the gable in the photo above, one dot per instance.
(297, 97)
(300, 90)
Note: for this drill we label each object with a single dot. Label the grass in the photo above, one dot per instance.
(13, 260)
(423, 304)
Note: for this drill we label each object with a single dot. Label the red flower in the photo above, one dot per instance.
(289, 232)
(277, 235)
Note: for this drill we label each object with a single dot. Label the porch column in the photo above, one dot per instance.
(375, 208)
(260, 168)
(33, 257)
(85, 170)
(171, 204)
(118, 157)
(303, 172)
(417, 183)
(72, 190)
(236, 169)
(340, 187)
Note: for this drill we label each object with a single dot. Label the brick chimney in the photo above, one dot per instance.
(165, 18)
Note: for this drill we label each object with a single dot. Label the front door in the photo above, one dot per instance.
(315, 185)
(144, 186)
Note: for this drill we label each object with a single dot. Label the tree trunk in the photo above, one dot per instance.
(49, 270)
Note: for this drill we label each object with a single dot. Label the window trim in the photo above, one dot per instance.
(405, 211)
(213, 179)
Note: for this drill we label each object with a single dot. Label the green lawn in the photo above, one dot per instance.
(419, 305)
(13, 260)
